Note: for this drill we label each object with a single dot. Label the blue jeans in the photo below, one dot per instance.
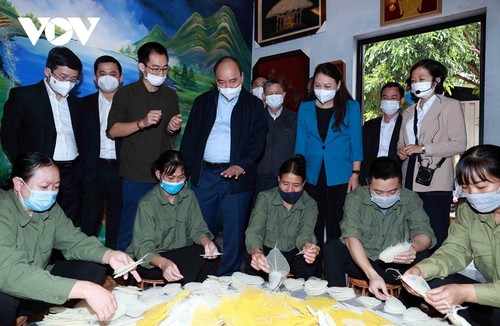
(132, 192)
(214, 196)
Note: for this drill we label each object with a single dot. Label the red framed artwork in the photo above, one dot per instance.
(283, 20)
(292, 69)
(395, 11)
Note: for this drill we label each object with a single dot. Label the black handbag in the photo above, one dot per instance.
(425, 173)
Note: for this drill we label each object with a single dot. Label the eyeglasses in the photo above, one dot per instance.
(157, 71)
(66, 78)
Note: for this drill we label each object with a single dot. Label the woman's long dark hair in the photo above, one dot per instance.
(341, 96)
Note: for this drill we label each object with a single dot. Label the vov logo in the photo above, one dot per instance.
(69, 25)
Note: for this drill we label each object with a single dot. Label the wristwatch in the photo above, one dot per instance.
(356, 171)
(423, 149)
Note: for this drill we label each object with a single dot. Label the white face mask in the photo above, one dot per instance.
(257, 91)
(61, 87)
(422, 90)
(108, 83)
(389, 106)
(155, 80)
(484, 203)
(275, 101)
(230, 93)
(324, 95)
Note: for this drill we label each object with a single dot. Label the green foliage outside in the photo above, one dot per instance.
(457, 48)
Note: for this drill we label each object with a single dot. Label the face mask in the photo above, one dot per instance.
(61, 87)
(484, 203)
(257, 91)
(409, 98)
(108, 83)
(385, 202)
(422, 90)
(39, 200)
(290, 197)
(324, 95)
(230, 93)
(155, 80)
(274, 101)
(389, 107)
(172, 188)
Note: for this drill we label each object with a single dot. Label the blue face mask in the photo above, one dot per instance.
(385, 202)
(39, 200)
(172, 188)
(290, 197)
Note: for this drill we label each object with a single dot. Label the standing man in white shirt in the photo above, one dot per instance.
(45, 117)
(380, 135)
(102, 183)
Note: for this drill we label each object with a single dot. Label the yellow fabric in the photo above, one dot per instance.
(258, 307)
(158, 313)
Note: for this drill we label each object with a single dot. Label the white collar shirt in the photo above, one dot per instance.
(65, 149)
(421, 113)
(386, 130)
(108, 149)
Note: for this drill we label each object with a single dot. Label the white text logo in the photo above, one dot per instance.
(68, 25)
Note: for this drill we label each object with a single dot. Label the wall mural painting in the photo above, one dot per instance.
(196, 34)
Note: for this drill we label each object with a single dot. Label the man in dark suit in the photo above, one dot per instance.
(224, 137)
(102, 183)
(381, 135)
(44, 117)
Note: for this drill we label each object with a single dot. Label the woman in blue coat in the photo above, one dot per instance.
(329, 137)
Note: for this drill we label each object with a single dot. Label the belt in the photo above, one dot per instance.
(67, 164)
(210, 165)
(108, 161)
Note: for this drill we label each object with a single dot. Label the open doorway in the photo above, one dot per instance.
(458, 44)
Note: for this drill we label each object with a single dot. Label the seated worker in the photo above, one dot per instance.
(285, 217)
(169, 229)
(473, 236)
(31, 225)
(376, 217)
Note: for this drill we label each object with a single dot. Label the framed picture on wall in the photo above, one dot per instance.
(292, 69)
(282, 20)
(395, 11)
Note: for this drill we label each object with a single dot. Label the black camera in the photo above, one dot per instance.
(424, 175)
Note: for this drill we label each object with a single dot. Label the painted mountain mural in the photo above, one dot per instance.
(204, 40)
(199, 33)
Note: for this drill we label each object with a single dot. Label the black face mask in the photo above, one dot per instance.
(290, 197)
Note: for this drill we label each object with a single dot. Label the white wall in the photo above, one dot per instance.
(350, 20)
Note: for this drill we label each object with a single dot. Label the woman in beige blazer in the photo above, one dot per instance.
(438, 135)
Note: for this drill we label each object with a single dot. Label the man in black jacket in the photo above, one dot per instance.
(102, 183)
(381, 135)
(280, 140)
(224, 136)
(44, 117)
